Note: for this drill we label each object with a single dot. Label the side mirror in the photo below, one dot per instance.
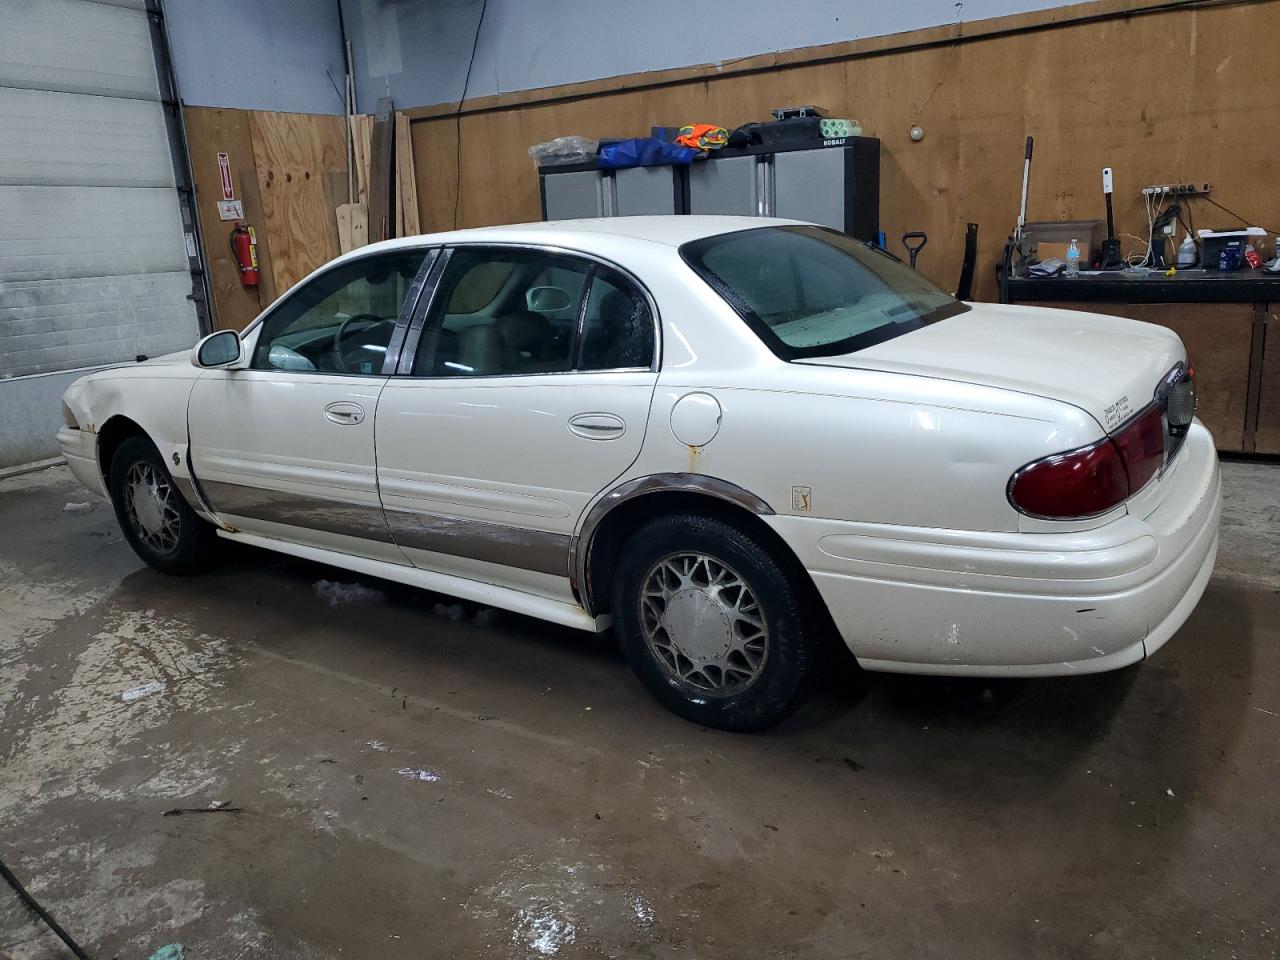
(221, 349)
(547, 299)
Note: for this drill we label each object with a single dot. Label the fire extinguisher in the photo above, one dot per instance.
(244, 248)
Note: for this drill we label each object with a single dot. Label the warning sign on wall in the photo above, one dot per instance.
(224, 169)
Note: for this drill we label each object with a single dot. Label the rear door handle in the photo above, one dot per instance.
(344, 412)
(597, 426)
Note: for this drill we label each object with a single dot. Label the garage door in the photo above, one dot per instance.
(93, 258)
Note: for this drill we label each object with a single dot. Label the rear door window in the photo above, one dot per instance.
(508, 311)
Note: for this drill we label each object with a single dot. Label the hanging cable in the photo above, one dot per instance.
(457, 160)
(41, 912)
(1209, 199)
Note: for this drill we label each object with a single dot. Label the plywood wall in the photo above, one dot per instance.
(290, 172)
(1172, 96)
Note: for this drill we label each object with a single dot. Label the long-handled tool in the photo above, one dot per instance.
(914, 251)
(1109, 252)
(1015, 242)
(1022, 206)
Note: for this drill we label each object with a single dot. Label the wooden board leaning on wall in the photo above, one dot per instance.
(977, 93)
(289, 170)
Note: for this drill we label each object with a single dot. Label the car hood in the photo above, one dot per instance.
(1107, 366)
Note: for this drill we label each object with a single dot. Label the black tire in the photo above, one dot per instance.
(182, 549)
(781, 677)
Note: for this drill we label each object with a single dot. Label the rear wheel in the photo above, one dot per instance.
(711, 623)
(159, 525)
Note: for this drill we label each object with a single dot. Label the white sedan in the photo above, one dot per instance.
(724, 437)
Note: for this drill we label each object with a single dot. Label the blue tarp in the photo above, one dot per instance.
(643, 152)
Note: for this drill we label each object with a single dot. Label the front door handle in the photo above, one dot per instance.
(344, 412)
(597, 426)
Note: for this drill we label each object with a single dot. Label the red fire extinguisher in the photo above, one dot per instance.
(244, 247)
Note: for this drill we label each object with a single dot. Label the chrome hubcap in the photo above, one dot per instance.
(703, 624)
(151, 507)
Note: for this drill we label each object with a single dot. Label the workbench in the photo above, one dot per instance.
(1229, 322)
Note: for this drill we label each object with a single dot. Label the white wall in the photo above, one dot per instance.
(416, 51)
(257, 54)
(275, 55)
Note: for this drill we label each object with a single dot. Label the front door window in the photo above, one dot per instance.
(342, 321)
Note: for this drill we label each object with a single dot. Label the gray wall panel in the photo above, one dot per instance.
(258, 55)
(417, 50)
(32, 415)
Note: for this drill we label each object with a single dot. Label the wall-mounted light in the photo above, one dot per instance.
(916, 133)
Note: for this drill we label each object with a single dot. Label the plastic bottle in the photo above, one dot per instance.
(1073, 258)
(1187, 254)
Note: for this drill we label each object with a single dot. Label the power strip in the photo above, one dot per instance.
(1177, 189)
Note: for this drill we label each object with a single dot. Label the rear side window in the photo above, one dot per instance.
(809, 291)
(617, 326)
(510, 311)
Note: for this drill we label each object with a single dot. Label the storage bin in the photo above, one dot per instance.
(1213, 242)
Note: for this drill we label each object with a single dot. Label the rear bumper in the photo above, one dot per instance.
(80, 448)
(931, 601)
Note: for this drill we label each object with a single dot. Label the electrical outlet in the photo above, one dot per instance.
(1177, 189)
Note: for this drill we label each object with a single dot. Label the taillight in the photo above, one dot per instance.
(1078, 483)
(1094, 479)
(1141, 445)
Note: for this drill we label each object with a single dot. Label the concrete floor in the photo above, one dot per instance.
(418, 786)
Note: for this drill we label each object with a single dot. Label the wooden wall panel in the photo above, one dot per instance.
(212, 131)
(1218, 338)
(1267, 436)
(290, 171)
(301, 164)
(1159, 98)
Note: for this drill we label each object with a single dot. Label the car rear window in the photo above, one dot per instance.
(812, 292)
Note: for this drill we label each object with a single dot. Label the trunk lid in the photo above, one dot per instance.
(1107, 366)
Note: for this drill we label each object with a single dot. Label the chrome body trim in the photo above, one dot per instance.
(363, 521)
(407, 311)
(417, 318)
(580, 548)
(536, 550)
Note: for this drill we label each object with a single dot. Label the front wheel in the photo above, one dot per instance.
(711, 623)
(159, 525)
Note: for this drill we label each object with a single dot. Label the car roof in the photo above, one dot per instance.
(588, 234)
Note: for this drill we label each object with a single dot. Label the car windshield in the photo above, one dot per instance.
(813, 292)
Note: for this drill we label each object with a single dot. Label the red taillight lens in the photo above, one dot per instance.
(1141, 446)
(1079, 483)
(1089, 481)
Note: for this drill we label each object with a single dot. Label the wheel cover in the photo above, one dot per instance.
(703, 625)
(151, 505)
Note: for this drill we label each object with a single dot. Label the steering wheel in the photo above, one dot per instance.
(341, 333)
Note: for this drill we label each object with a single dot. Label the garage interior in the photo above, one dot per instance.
(280, 759)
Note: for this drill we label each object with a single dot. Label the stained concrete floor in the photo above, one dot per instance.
(413, 785)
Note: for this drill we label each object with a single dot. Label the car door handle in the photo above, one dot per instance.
(597, 426)
(344, 412)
